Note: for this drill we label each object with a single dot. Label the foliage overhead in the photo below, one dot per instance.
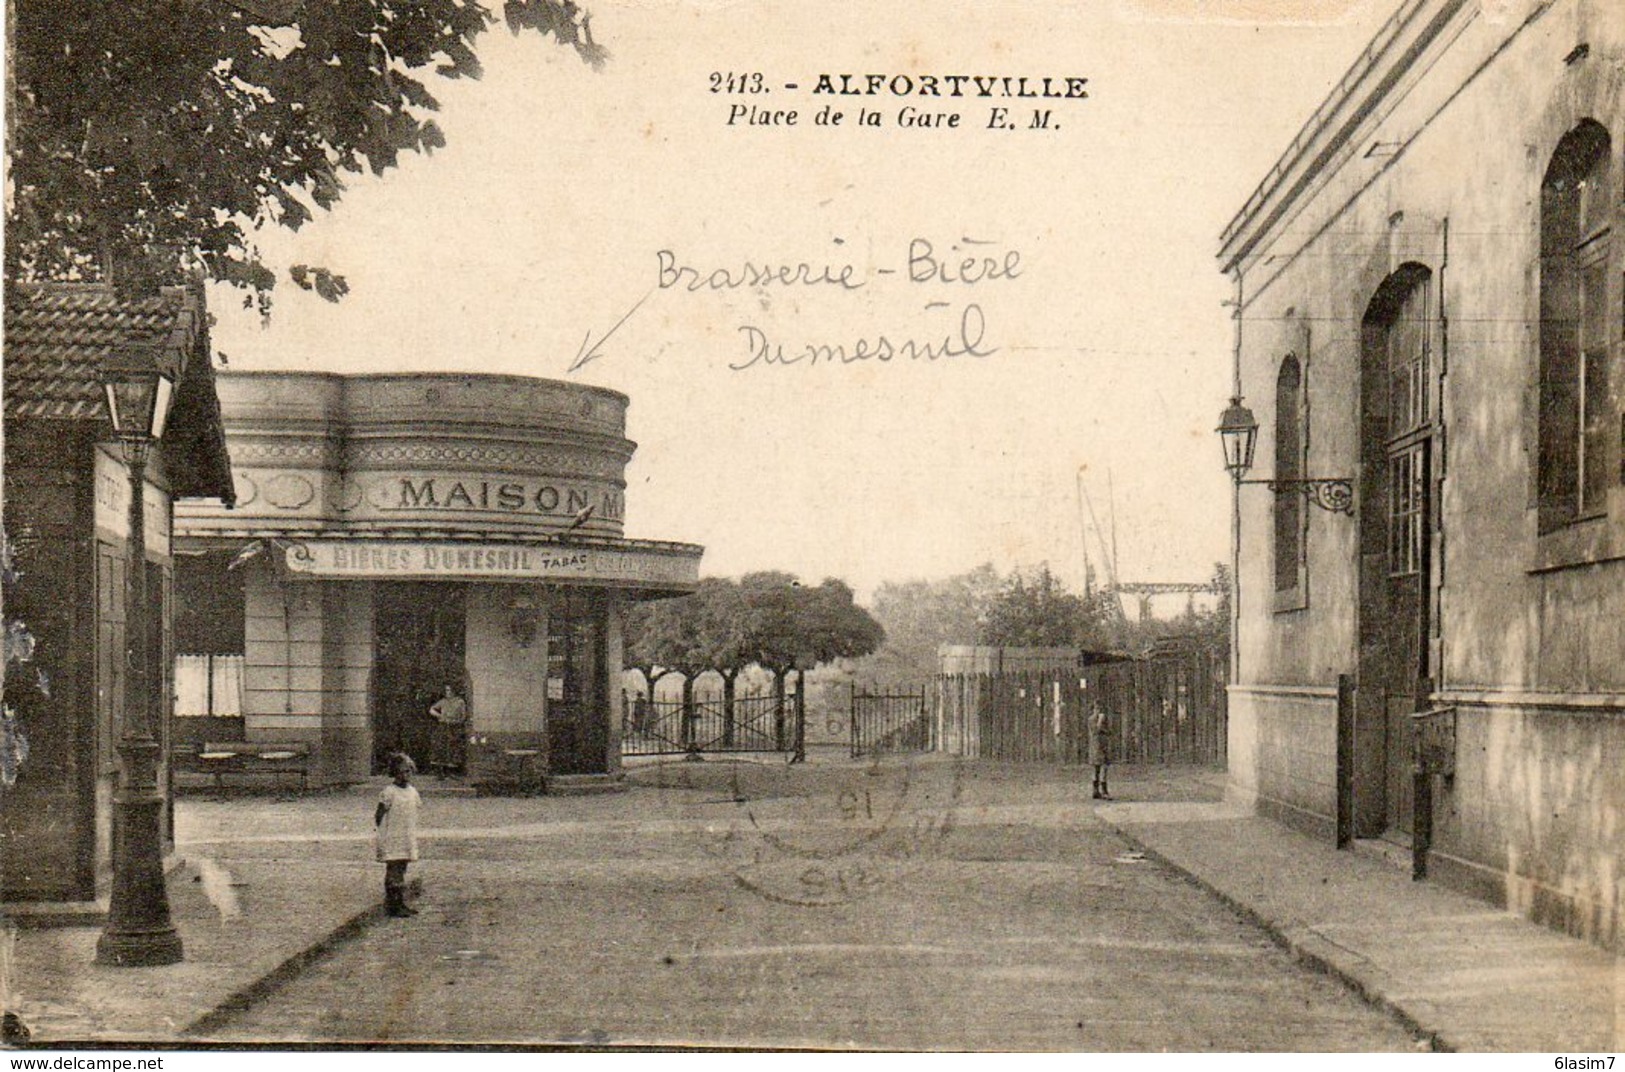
(787, 622)
(768, 619)
(156, 137)
(688, 635)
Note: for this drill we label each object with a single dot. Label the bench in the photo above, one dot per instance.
(220, 758)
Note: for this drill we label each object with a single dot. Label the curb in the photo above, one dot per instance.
(1308, 949)
(245, 996)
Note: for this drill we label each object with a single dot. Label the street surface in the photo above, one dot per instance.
(922, 904)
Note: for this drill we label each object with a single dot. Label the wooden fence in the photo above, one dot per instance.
(1166, 708)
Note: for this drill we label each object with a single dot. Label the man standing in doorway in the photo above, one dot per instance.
(450, 714)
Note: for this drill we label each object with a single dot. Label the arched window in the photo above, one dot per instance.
(1576, 213)
(1289, 502)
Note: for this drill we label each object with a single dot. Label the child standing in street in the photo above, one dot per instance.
(1100, 754)
(396, 821)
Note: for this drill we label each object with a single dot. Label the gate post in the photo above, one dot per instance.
(1433, 751)
(1421, 817)
(1345, 760)
(800, 755)
(852, 723)
(687, 722)
(778, 709)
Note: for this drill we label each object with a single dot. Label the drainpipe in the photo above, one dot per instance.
(1235, 496)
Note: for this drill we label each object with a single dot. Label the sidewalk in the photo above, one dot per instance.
(1468, 975)
(246, 923)
(245, 926)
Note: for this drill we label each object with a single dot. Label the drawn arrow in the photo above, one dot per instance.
(590, 352)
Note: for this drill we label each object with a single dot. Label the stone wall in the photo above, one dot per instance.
(1435, 163)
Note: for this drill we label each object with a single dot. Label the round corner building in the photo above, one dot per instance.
(428, 564)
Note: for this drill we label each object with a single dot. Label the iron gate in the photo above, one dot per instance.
(754, 723)
(886, 723)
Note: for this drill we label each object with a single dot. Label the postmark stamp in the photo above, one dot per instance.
(834, 835)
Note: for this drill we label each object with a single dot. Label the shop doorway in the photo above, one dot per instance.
(419, 644)
(577, 685)
(1399, 409)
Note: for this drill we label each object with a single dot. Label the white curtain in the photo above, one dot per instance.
(191, 685)
(228, 685)
(208, 685)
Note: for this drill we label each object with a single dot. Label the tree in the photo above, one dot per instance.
(642, 648)
(788, 625)
(920, 616)
(766, 619)
(158, 136)
(1039, 612)
(690, 635)
(1211, 628)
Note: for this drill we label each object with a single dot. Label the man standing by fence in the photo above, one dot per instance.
(1100, 756)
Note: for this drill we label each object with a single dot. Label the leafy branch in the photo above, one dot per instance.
(151, 138)
(18, 648)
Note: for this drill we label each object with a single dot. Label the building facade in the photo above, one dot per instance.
(399, 537)
(67, 500)
(1431, 284)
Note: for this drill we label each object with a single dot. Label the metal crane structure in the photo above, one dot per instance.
(1113, 588)
(1145, 590)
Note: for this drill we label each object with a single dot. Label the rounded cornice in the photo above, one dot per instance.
(504, 457)
(421, 402)
(480, 453)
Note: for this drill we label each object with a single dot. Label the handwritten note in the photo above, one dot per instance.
(946, 330)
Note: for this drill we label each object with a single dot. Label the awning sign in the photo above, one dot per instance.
(419, 560)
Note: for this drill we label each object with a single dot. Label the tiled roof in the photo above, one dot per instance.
(58, 336)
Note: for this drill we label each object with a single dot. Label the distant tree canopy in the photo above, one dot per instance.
(773, 621)
(158, 136)
(1037, 611)
(765, 619)
(921, 616)
(1023, 609)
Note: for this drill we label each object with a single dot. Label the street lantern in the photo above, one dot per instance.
(138, 395)
(1238, 434)
(139, 930)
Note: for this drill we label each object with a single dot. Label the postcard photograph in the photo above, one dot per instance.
(740, 525)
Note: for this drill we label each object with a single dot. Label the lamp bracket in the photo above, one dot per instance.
(1334, 494)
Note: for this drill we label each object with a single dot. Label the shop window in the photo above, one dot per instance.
(1289, 501)
(208, 685)
(210, 637)
(1576, 419)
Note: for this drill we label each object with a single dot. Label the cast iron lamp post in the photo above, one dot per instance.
(1238, 432)
(139, 930)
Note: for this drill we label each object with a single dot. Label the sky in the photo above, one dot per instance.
(1054, 398)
